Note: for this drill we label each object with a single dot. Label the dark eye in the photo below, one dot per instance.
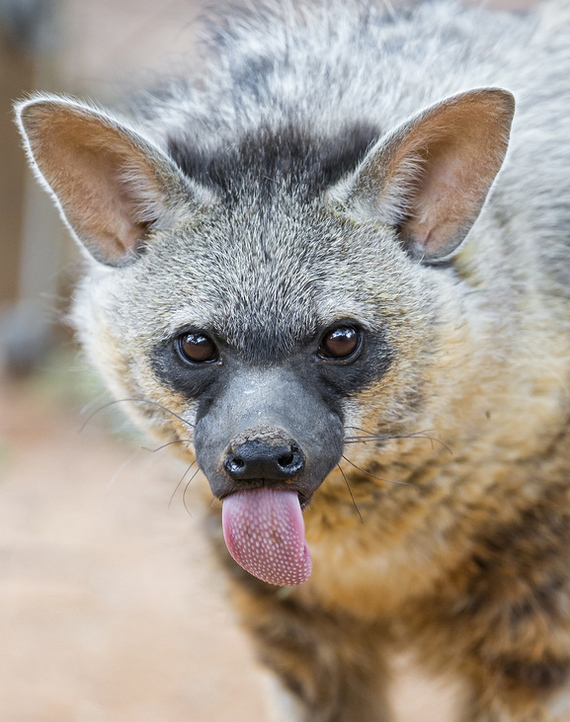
(340, 343)
(197, 347)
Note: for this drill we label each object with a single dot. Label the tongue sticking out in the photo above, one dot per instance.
(265, 534)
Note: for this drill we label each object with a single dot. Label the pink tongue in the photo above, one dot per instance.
(265, 534)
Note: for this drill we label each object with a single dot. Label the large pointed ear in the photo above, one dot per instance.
(430, 177)
(111, 185)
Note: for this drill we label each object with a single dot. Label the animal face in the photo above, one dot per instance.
(259, 291)
(264, 351)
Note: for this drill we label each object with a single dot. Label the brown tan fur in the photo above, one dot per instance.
(443, 525)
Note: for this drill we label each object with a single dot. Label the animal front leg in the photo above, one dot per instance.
(520, 704)
(330, 668)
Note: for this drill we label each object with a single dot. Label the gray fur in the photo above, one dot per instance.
(274, 68)
(269, 237)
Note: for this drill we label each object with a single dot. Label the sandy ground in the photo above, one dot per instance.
(110, 608)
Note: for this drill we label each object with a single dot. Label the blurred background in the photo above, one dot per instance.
(110, 608)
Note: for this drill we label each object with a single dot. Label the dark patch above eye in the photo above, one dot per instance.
(196, 347)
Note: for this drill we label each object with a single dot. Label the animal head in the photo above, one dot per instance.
(261, 289)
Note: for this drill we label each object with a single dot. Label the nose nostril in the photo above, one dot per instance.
(276, 459)
(238, 463)
(285, 460)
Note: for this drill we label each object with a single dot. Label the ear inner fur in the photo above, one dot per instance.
(431, 176)
(109, 183)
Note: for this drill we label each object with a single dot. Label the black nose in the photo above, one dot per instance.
(263, 459)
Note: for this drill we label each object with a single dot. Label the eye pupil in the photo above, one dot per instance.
(340, 343)
(198, 347)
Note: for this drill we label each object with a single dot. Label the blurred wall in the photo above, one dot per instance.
(84, 48)
(28, 37)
